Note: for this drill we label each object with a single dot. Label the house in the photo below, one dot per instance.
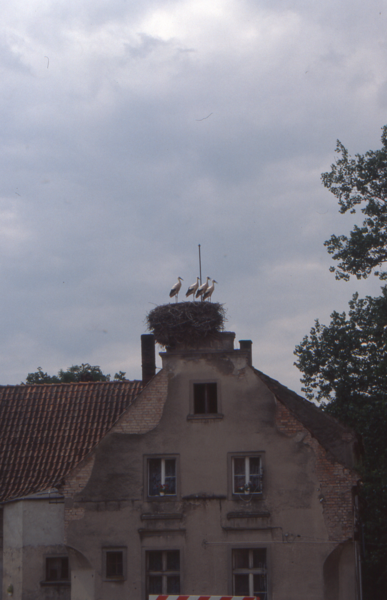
(206, 478)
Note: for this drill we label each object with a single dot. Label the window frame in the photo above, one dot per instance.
(205, 415)
(236, 495)
(251, 571)
(164, 572)
(164, 497)
(61, 581)
(111, 549)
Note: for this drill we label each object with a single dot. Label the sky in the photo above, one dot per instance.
(134, 131)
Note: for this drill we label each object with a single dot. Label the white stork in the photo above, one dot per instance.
(192, 289)
(203, 288)
(209, 291)
(176, 289)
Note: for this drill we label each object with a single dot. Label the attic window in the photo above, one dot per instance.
(205, 396)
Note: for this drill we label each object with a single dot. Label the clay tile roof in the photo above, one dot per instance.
(339, 440)
(45, 430)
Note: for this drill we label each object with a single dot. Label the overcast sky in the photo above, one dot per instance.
(132, 131)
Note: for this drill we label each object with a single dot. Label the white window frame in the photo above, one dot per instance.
(247, 458)
(250, 571)
(162, 459)
(164, 574)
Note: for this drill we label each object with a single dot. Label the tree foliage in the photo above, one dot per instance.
(74, 374)
(344, 365)
(360, 181)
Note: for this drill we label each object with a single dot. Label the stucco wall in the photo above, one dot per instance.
(33, 530)
(107, 504)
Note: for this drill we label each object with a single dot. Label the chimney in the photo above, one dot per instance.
(245, 346)
(148, 357)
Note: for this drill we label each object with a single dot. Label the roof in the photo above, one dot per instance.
(340, 441)
(45, 430)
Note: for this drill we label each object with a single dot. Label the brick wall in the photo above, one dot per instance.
(336, 481)
(145, 412)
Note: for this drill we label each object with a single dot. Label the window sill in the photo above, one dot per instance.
(254, 497)
(162, 498)
(61, 582)
(205, 417)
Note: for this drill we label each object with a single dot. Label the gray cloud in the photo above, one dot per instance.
(111, 174)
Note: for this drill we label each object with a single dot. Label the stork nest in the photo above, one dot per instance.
(186, 322)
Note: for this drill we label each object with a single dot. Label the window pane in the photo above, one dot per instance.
(212, 398)
(170, 476)
(239, 466)
(65, 568)
(155, 584)
(199, 398)
(241, 585)
(154, 467)
(170, 467)
(259, 558)
(241, 559)
(155, 561)
(239, 475)
(173, 560)
(173, 584)
(255, 464)
(114, 564)
(259, 585)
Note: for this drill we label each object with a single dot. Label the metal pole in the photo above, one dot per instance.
(200, 266)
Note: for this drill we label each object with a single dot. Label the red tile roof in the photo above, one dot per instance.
(45, 430)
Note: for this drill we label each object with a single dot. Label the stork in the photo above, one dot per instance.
(203, 288)
(192, 289)
(209, 291)
(176, 289)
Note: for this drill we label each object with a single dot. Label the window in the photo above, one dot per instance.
(57, 568)
(162, 477)
(249, 572)
(114, 564)
(247, 475)
(163, 571)
(205, 397)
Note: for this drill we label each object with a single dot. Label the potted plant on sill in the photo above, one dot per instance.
(163, 489)
(245, 489)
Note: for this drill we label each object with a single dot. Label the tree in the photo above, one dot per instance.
(76, 373)
(344, 366)
(360, 181)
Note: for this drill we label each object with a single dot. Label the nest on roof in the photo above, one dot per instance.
(186, 323)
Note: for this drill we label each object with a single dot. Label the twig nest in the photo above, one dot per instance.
(186, 323)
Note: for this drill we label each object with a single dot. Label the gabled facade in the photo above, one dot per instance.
(214, 479)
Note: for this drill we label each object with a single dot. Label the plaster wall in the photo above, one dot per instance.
(205, 521)
(33, 530)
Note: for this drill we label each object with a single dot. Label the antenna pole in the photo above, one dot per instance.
(200, 266)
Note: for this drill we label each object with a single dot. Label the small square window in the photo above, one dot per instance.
(57, 568)
(163, 572)
(161, 477)
(247, 475)
(205, 398)
(250, 572)
(114, 563)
